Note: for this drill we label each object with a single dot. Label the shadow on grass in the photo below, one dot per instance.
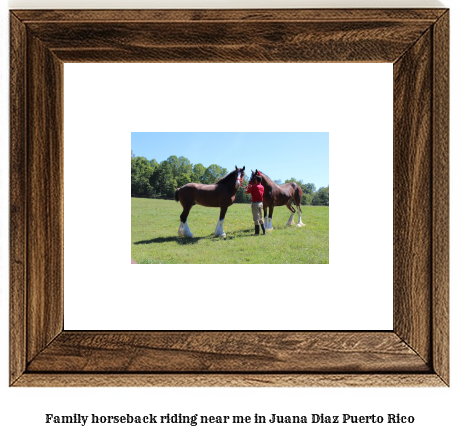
(178, 239)
(188, 241)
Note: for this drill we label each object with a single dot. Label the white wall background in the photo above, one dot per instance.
(435, 410)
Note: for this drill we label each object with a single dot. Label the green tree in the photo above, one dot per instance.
(174, 165)
(183, 179)
(197, 173)
(163, 181)
(185, 166)
(154, 164)
(306, 199)
(141, 171)
(213, 173)
(322, 197)
(308, 188)
(171, 188)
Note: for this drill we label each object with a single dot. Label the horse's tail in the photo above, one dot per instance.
(176, 195)
(298, 196)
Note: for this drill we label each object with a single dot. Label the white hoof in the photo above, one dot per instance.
(219, 230)
(300, 221)
(186, 234)
(185, 231)
(268, 224)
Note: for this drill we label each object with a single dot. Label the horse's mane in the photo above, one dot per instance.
(267, 176)
(226, 178)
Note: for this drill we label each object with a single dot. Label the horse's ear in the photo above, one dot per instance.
(243, 169)
(235, 167)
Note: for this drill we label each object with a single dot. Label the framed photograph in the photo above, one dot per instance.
(169, 166)
(415, 352)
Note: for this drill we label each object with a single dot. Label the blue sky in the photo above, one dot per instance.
(304, 156)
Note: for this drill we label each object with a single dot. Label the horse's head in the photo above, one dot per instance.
(239, 175)
(253, 176)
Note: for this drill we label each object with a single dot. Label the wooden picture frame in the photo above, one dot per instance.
(414, 353)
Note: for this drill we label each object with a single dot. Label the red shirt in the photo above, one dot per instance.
(256, 192)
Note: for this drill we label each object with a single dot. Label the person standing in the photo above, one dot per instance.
(257, 191)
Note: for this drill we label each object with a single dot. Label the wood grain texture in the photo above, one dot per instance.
(414, 354)
(229, 35)
(235, 352)
(18, 192)
(45, 178)
(413, 196)
(230, 380)
(241, 41)
(441, 195)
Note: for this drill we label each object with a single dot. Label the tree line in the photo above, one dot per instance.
(160, 180)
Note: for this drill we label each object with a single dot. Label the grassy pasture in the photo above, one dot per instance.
(155, 240)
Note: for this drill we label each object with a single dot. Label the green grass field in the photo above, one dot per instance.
(154, 235)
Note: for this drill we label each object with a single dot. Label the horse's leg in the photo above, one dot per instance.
(266, 218)
(183, 227)
(300, 222)
(297, 197)
(219, 230)
(269, 219)
(291, 221)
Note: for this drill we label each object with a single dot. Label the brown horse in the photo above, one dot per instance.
(279, 195)
(221, 194)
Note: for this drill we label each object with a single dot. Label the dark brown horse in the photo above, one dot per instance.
(221, 194)
(279, 195)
